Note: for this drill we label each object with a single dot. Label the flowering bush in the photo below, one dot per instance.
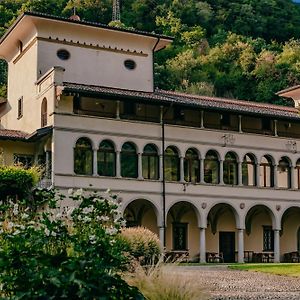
(143, 244)
(73, 254)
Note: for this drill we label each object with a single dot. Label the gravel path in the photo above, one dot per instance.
(224, 284)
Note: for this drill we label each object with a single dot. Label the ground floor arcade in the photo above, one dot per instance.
(221, 231)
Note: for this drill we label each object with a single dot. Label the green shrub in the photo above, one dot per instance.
(15, 181)
(143, 244)
(71, 254)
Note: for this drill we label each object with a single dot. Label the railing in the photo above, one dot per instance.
(45, 183)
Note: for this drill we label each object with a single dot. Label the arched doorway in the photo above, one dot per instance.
(141, 212)
(259, 237)
(221, 236)
(290, 230)
(182, 228)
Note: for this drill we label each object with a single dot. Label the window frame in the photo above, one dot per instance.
(82, 150)
(20, 108)
(146, 157)
(268, 238)
(106, 152)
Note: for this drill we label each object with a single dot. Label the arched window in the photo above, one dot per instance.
(297, 173)
(211, 167)
(150, 162)
(83, 157)
(106, 159)
(172, 172)
(230, 169)
(129, 161)
(249, 170)
(266, 172)
(44, 113)
(191, 166)
(284, 173)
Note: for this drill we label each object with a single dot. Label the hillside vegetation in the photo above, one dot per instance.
(247, 49)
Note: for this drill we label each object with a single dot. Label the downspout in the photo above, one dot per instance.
(163, 138)
(163, 178)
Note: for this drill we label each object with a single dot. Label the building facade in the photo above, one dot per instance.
(208, 175)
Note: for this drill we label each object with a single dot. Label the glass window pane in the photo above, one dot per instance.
(83, 157)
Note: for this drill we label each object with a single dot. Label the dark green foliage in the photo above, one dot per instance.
(75, 254)
(213, 30)
(15, 181)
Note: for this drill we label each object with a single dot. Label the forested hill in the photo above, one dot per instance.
(247, 49)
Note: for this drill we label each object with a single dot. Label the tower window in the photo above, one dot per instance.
(44, 113)
(130, 64)
(63, 54)
(20, 108)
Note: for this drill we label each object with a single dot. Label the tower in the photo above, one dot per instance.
(116, 11)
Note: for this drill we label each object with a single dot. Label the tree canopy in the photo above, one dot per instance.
(247, 49)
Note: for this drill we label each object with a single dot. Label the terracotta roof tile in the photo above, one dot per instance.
(238, 106)
(12, 134)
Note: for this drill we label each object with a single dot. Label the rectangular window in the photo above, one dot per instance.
(268, 238)
(180, 236)
(20, 108)
(23, 159)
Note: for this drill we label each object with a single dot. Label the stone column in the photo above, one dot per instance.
(240, 174)
(161, 114)
(161, 167)
(140, 166)
(118, 164)
(202, 246)
(275, 176)
(118, 110)
(241, 246)
(292, 178)
(221, 172)
(202, 119)
(201, 170)
(257, 175)
(181, 169)
(275, 128)
(276, 246)
(161, 236)
(240, 124)
(95, 162)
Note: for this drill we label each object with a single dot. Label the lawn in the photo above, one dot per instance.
(279, 269)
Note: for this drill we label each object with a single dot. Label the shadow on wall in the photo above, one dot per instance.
(4, 109)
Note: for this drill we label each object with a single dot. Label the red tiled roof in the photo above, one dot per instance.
(238, 106)
(12, 134)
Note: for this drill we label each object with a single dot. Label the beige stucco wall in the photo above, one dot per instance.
(9, 148)
(254, 241)
(98, 67)
(226, 222)
(289, 234)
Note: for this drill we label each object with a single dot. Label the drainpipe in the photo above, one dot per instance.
(163, 178)
(163, 172)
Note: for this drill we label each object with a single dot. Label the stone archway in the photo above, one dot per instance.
(290, 232)
(261, 234)
(221, 233)
(141, 212)
(182, 232)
